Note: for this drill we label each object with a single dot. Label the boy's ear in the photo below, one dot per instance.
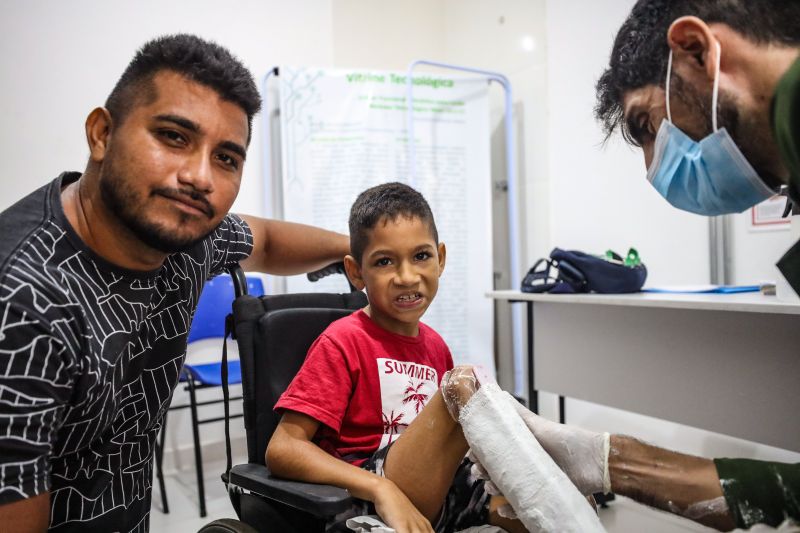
(353, 270)
(442, 257)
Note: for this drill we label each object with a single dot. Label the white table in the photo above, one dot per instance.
(725, 363)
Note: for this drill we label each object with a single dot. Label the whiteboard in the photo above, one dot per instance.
(343, 131)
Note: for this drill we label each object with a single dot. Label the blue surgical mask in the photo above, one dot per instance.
(710, 177)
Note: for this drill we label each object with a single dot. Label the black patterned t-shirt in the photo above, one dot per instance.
(89, 356)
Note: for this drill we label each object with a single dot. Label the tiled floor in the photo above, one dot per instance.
(184, 514)
(622, 515)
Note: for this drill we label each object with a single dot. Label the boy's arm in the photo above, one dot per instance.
(292, 455)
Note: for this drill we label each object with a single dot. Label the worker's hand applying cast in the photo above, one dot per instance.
(581, 454)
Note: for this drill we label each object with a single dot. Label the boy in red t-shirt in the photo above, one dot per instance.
(365, 411)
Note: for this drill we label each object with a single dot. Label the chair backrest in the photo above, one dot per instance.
(215, 304)
(274, 334)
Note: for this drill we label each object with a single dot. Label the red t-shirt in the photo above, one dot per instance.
(365, 384)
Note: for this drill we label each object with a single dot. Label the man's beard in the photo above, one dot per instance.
(124, 203)
(753, 137)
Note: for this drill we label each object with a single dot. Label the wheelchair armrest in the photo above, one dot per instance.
(319, 500)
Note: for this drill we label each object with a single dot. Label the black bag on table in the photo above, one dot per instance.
(571, 271)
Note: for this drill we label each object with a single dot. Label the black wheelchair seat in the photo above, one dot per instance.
(274, 333)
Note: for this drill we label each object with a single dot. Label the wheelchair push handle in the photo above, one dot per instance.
(333, 268)
(239, 280)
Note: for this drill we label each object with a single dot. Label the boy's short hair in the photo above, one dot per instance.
(201, 61)
(386, 202)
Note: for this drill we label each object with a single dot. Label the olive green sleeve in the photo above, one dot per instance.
(760, 492)
(785, 117)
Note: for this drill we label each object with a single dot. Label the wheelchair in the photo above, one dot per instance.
(274, 333)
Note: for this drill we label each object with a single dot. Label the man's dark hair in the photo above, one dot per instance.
(198, 60)
(640, 52)
(386, 202)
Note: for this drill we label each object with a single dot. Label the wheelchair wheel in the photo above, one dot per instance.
(227, 525)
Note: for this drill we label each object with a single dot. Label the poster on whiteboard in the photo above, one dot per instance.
(343, 131)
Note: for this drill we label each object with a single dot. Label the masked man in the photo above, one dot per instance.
(710, 90)
(100, 274)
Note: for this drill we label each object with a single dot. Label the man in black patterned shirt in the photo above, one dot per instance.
(100, 275)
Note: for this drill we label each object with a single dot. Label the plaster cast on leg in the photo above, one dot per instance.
(544, 499)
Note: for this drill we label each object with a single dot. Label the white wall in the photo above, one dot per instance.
(755, 252)
(61, 59)
(600, 197)
(509, 37)
(384, 34)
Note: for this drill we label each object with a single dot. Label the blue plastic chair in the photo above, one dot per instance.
(208, 323)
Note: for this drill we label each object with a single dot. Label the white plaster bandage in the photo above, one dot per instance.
(544, 499)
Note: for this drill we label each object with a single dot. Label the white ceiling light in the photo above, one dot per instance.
(527, 43)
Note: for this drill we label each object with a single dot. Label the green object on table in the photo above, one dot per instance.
(631, 260)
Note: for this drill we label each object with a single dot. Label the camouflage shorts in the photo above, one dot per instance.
(466, 504)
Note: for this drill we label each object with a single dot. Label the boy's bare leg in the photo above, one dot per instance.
(424, 460)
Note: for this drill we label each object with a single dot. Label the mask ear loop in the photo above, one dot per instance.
(715, 91)
(669, 71)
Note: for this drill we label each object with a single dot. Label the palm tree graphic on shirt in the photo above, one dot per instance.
(392, 424)
(413, 394)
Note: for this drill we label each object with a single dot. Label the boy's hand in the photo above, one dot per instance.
(397, 511)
